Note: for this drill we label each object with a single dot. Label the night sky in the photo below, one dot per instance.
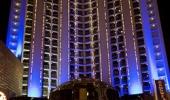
(162, 4)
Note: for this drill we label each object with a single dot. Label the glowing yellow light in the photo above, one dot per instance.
(2, 96)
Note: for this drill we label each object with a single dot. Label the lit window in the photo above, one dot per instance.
(16, 17)
(14, 30)
(17, 4)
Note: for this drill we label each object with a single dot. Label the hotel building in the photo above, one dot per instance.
(119, 42)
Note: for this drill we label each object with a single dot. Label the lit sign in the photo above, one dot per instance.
(161, 92)
(2, 96)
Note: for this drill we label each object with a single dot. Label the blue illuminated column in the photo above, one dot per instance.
(134, 77)
(154, 42)
(36, 60)
(16, 23)
(64, 51)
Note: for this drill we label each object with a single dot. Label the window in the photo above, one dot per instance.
(86, 19)
(48, 12)
(124, 79)
(112, 25)
(88, 68)
(54, 50)
(87, 25)
(54, 35)
(97, 75)
(81, 69)
(122, 54)
(54, 58)
(146, 86)
(96, 52)
(122, 62)
(27, 46)
(112, 33)
(45, 91)
(46, 49)
(86, 12)
(46, 57)
(95, 38)
(55, 7)
(116, 80)
(72, 76)
(111, 19)
(115, 64)
(117, 3)
(80, 46)
(118, 17)
(72, 11)
(87, 39)
(123, 71)
(94, 11)
(45, 65)
(142, 58)
(144, 67)
(95, 45)
(140, 42)
(53, 74)
(72, 24)
(115, 72)
(30, 8)
(47, 26)
(55, 14)
(87, 46)
(80, 12)
(29, 22)
(120, 39)
(54, 42)
(113, 40)
(114, 56)
(110, 5)
(87, 53)
(136, 11)
(25, 80)
(72, 68)
(55, 20)
(142, 50)
(121, 46)
(137, 18)
(117, 10)
(139, 34)
(27, 37)
(81, 61)
(138, 26)
(72, 53)
(96, 59)
(30, 15)
(80, 25)
(53, 83)
(94, 4)
(135, 4)
(88, 61)
(55, 28)
(26, 71)
(111, 12)
(119, 24)
(114, 48)
(80, 39)
(45, 73)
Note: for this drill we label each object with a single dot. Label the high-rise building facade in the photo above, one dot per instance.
(119, 42)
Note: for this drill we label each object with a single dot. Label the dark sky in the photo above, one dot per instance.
(162, 4)
(164, 13)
